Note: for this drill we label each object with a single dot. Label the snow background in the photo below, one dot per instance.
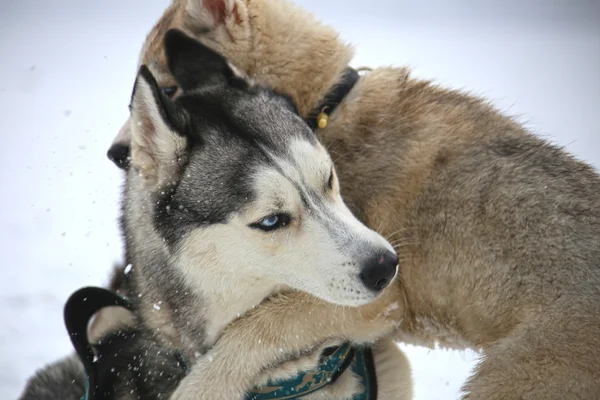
(66, 72)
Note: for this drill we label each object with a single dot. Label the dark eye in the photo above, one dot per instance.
(330, 181)
(169, 91)
(272, 222)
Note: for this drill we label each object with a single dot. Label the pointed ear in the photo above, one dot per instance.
(158, 146)
(209, 13)
(193, 64)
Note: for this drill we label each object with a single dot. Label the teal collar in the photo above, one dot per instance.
(333, 363)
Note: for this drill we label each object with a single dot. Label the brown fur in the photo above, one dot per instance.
(497, 231)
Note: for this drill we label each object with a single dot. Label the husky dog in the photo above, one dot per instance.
(498, 231)
(230, 199)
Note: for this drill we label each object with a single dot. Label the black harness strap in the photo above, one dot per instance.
(79, 309)
(371, 375)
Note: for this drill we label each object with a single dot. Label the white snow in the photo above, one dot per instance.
(66, 76)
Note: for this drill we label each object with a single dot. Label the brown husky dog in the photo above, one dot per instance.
(498, 232)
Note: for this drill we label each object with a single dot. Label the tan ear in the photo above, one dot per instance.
(157, 149)
(209, 13)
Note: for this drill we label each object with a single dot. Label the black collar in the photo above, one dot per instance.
(334, 97)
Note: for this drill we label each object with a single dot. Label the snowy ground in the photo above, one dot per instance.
(65, 78)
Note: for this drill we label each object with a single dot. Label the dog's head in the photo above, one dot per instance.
(240, 187)
(271, 41)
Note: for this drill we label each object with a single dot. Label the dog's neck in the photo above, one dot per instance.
(304, 69)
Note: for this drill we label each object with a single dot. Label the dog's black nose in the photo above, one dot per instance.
(379, 271)
(119, 154)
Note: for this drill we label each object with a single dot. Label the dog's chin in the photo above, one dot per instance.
(348, 296)
(353, 302)
(343, 290)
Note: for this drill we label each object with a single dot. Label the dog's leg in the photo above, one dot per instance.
(394, 376)
(555, 356)
(281, 328)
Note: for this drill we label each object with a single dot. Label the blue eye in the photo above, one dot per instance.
(169, 91)
(272, 222)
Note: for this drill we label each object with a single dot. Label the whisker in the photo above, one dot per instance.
(406, 244)
(389, 237)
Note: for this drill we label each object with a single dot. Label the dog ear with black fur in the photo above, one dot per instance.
(158, 147)
(195, 65)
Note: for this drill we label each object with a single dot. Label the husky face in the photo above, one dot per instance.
(242, 191)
